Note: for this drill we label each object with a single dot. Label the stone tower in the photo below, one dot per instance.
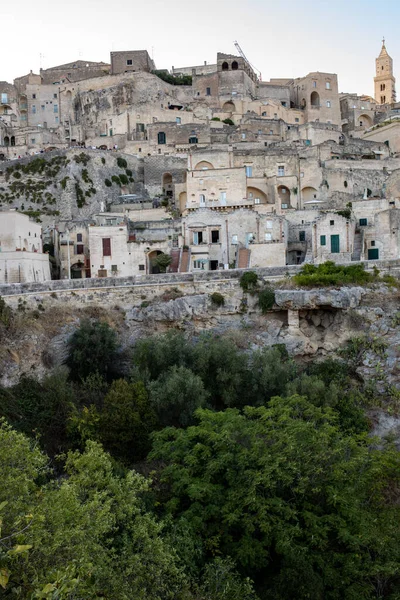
(385, 92)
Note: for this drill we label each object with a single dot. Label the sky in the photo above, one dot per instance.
(281, 39)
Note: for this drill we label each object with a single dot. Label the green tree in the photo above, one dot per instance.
(155, 354)
(175, 395)
(126, 421)
(300, 506)
(162, 261)
(92, 348)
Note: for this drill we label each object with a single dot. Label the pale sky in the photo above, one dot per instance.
(281, 39)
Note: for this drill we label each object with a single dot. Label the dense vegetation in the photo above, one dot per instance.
(329, 273)
(258, 479)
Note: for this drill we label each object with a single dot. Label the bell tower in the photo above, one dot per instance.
(385, 91)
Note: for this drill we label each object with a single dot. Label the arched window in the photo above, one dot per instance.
(161, 137)
(6, 141)
(12, 140)
(235, 66)
(303, 103)
(225, 66)
(314, 99)
(193, 140)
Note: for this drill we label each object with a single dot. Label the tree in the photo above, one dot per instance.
(162, 261)
(176, 394)
(126, 421)
(301, 507)
(92, 348)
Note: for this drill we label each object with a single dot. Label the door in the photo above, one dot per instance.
(373, 254)
(335, 244)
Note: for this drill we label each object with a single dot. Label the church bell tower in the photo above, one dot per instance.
(385, 91)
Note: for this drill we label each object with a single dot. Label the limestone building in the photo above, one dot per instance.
(385, 90)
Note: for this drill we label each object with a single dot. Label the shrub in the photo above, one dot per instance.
(17, 174)
(266, 299)
(92, 348)
(80, 196)
(228, 122)
(174, 79)
(329, 273)
(103, 160)
(162, 261)
(217, 299)
(215, 119)
(128, 172)
(121, 162)
(5, 313)
(107, 182)
(249, 281)
(82, 158)
(116, 179)
(63, 182)
(123, 179)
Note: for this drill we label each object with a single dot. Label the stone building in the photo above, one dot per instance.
(131, 61)
(385, 83)
(21, 250)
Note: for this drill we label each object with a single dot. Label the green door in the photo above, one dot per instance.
(335, 244)
(373, 254)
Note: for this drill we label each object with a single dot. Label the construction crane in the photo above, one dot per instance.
(242, 54)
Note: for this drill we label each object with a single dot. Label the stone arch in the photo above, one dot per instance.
(153, 269)
(26, 245)
(303, 103)
(365, 121)
(256, 195)
(182, 201)
(167, 184)
(314, 99)
(225, 66)
(76, 270)
(309, 193)
(68, 95)
(203, 165)
(6, 141)
(284, 197)
(235, 65)
(229, 107)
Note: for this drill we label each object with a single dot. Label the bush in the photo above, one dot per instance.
(123, 179)
(249, 281)
(128, 172)
(107, 182)
(162, 261)
(121, 162)
(92, 349)
(266, 299)
(228, 122)
(217, 299)
(116, 179)
(331, 274)
(103, 160)
(174, 79)
(215, 119)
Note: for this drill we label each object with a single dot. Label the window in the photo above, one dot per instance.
(33, 140)
(4, 98)
(281, 171)
(55, 96)
(161, 137)
(373, 243)
(234, 240)
(264, 114)
(197, 237)
(328, 85)
(79, 249)
(34, 96)
(215, 236)
(55, 108)
(284, 205)
(302, 236)
(363, 222)
(106, 246)
(114, 268)
(208, 92)
(222, 197)
(314, 84)
(141, 267)
(271, 132)
(383, 99)
(128, 62)
(202, 199)
(331, 222)
(268, 237)
(78, 237)
(328, 104)
(243, 136)
(322, 240)
(193, 140)
(56, 120)
(43, 107)
(383, 86)
(249, 171)
(178, 120)
(268, 225)
(198, 264)
(297, 120)
(257, 201)
(33, 109)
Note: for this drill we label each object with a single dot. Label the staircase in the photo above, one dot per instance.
(243, 259)
(185, 261)
(357, 246)
(175, 255)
